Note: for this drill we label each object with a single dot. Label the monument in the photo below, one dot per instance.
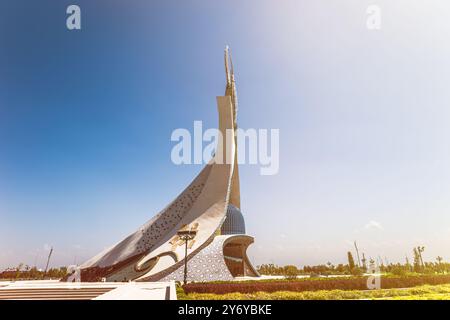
(209, 208)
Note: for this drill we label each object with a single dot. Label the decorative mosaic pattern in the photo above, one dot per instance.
(207, 265)
(168, 219)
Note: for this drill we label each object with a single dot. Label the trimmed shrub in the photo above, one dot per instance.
(353, 283)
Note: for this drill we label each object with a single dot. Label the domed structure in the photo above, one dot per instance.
(234, 222)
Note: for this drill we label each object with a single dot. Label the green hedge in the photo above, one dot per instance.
(354, 283)
(423, 292)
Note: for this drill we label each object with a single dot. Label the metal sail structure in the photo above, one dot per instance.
(210, 205)
(230, 90)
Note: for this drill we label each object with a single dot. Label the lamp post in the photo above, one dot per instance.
(186, 235)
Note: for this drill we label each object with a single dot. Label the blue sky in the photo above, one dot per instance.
(86, 118)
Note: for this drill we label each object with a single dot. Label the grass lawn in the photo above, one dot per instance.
(426, 292)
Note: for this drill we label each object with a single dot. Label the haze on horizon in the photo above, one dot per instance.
(86, 119)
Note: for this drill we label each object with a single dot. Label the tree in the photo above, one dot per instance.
(417, 264)
(351, 261)
(364, 262)
(19, 267)
(420, 250)
(439, 264)
(407, 264)
(290, 272)
(340, 268)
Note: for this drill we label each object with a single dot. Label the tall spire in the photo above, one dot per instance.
(227, 67)
(230, 90)
(231, 83)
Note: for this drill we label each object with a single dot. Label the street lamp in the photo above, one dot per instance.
(186, 235)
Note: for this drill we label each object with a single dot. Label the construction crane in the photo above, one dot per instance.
(357, 254)
(48, 260)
